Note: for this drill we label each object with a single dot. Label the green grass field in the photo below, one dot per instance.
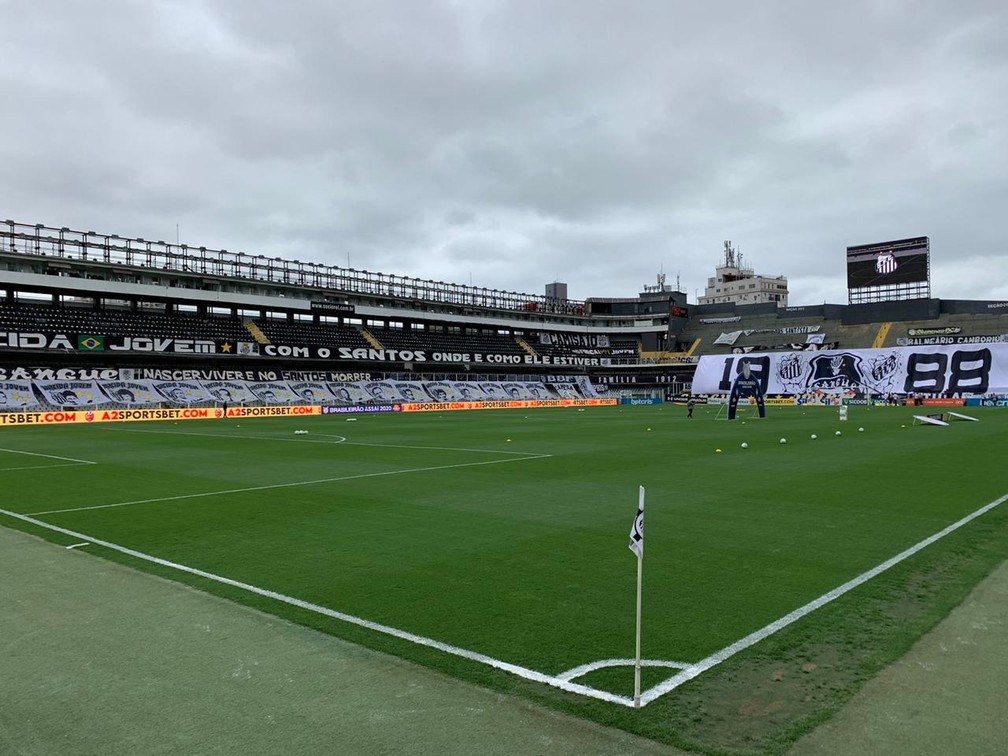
(499, 539)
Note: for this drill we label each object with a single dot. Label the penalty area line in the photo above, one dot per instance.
(474, 656)
(45, 467)
(274, 486)
(50, 456)
(232, 436)
(752, 639)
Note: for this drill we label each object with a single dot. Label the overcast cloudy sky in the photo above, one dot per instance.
(517, 143)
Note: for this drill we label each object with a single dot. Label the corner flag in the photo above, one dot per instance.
(637, 530)
(637, 547)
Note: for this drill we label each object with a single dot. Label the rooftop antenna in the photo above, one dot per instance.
(729, 254)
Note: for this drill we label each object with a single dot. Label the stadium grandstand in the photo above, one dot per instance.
(97, 319)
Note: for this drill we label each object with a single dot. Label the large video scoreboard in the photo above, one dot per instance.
(898, 269)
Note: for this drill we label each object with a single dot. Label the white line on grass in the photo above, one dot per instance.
(78, 545)
(438, 448)
(523, 672)
(232, 436)
(274, 486)
(584, 669)
(753, 638)
(302, 440)
(44, 467)
(50, 456)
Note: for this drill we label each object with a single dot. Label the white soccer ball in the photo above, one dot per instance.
(860, 430)
(783, 440)
(814, 436)
(838, 433)
(745, 445)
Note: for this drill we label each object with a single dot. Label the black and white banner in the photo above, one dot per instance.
(151, 392)
(976, 369)
(229, 392)
(16, 395)
(71, 393)
(574, 340)
(730, 337)
(182, 392)
(130, 392)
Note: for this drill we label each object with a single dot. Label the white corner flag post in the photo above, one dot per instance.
(637, 547)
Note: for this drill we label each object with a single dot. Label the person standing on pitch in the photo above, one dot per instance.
(690, 404)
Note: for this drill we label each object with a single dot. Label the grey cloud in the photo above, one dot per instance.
(517, 142)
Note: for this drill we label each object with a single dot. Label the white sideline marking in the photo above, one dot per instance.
(273, 486)
(523, 672)
(584, 669)
(50, 456)
(728, 651)
(78, 545)
(560, 681)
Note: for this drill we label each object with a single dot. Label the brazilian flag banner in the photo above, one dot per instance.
(87, 343)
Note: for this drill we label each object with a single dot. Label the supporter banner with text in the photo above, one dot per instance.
(949, 370)
(16, 394)
(493, 405)
(114, 343)
(71, 393)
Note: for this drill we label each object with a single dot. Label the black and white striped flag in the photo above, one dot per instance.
(637, 530)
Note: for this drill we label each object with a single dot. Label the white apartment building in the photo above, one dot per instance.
(736, 282)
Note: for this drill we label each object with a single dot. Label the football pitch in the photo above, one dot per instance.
(493, 545)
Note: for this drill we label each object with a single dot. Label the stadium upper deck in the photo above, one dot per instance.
(83, 298)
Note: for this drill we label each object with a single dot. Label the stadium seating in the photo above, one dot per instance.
(305, 333)
(432, 341)
(82, 320)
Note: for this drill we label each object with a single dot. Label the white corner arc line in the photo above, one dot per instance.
(753, 638)
(50, 456)
(523, 672)
(584, 669)
(296, 484)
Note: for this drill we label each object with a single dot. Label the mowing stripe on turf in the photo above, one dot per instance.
(434, 448)
(233, 436)
(302, 440)
(50, 456)
(44, 467)
(753, 638)
(273, 486)
(523, 672)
